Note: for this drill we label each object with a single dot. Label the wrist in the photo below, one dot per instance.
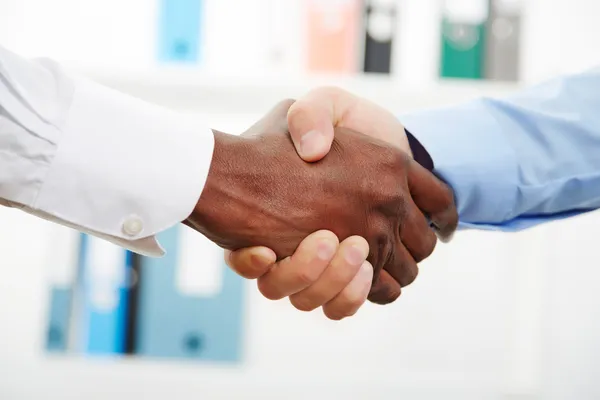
(218, 201)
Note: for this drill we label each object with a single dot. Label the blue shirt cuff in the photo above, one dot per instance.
(472, 155)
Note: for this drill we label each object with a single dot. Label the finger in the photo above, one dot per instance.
(351, 254)
(385, 290)
(311, 120)
(302, 269)
(434, 198)
(353, 296)
(402, 266)
(416, 234)
(251, 262)
(274, 121)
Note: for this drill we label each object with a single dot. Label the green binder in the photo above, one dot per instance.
(463, 39)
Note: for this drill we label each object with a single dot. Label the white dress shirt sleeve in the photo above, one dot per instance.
(93, 159)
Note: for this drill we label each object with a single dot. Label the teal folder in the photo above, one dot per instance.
(462, 50)
(463, 39)
(171, 324)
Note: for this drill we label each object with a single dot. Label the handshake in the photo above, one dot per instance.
(322, 202)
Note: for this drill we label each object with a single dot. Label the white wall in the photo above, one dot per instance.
(490, 316)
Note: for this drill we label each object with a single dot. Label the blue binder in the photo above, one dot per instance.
(62, 261)
(57, 335)
(179, 34)
(175, 325)
(103, 313)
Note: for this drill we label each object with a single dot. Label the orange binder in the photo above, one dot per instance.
(333, 32)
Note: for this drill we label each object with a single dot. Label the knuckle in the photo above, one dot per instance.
(394, 158)
(268, 290)
(327, 91)
(352, 312)
(448, 199)
(353, 301)
(244, 273)
(431, 243)
(427, 247)
(285, 103)
(302, 303)
(391, 184)
(254, 273)
(383, 298)
(401, 209)
(401, 159)
(380, 227)
(406, 273)
(381, 251)
(307, 276)
(333, 314)
(339, 279)
(349, 300)
(382, 294)
(296, 111)
(409, 276)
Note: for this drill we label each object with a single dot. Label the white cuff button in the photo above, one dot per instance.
(133, 226)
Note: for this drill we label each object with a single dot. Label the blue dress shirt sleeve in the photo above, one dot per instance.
(522, 160)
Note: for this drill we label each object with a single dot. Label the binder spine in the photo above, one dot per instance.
(333, 35)
(179, 33)
(62, 265)
(380, 28)
(503, 41)
(59, 320)
(463, 38)
(104, 297)
(176, 324)
(133, 278)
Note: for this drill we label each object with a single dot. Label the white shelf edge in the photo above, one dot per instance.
(191, 89)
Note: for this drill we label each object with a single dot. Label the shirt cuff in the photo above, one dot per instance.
(124, 169)
(420, 154)
(472, 155)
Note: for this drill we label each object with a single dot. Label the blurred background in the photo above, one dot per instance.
(491, 316)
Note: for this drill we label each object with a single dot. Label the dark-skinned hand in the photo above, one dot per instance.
(260, 193)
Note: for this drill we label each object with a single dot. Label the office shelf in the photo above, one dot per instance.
(193, 90)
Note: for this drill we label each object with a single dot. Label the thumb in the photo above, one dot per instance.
(312, 118)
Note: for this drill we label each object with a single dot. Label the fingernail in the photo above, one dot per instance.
(366, 269)
(325, 250)
(311, 143)
(354, 255)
